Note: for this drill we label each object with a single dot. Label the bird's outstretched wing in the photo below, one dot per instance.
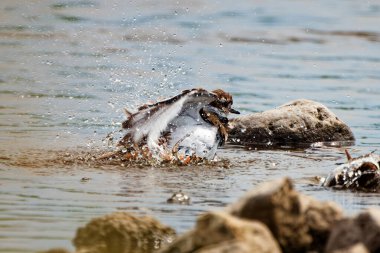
(147, 125)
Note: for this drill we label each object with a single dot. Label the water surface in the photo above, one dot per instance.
(68, 68)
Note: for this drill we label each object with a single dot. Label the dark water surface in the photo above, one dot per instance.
(67, 69)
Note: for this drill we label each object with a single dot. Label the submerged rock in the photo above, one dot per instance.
(298, 222)
(179, 198)
(296, 123)
(362, 230)
(361, 173)
(122, 233)
(221, 232)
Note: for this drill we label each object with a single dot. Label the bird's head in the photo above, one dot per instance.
(223, 102)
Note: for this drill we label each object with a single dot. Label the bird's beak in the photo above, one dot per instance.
(233, 111)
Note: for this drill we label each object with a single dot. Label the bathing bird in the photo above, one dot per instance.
(191, 125)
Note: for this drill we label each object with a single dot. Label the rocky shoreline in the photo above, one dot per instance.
(273, 217)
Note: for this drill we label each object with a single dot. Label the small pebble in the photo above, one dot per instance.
(179, 198)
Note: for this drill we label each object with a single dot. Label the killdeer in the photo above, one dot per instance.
(190, 125)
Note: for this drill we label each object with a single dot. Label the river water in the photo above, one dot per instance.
(68, 68)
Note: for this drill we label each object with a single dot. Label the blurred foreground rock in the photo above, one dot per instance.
(296, 123)
(356, 248)
(272, 218)
(122, 233)
(221, 232)
(364, 230)
(298, 222)
(320, 218)
(56, 250)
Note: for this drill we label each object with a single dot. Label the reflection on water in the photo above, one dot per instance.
(68, 68)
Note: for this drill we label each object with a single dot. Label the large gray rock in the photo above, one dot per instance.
(221, 232)
(364, 229)
(122, 232)
(298, 222)
(296, 123)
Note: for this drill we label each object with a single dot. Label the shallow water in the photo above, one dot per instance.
(67, 69)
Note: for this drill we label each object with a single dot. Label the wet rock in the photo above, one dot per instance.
(296, 123)
(363, 229)
(179, 198)
(277, 205)
(361, 174)
(221, 232)
(298, 222)
(122, 233)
